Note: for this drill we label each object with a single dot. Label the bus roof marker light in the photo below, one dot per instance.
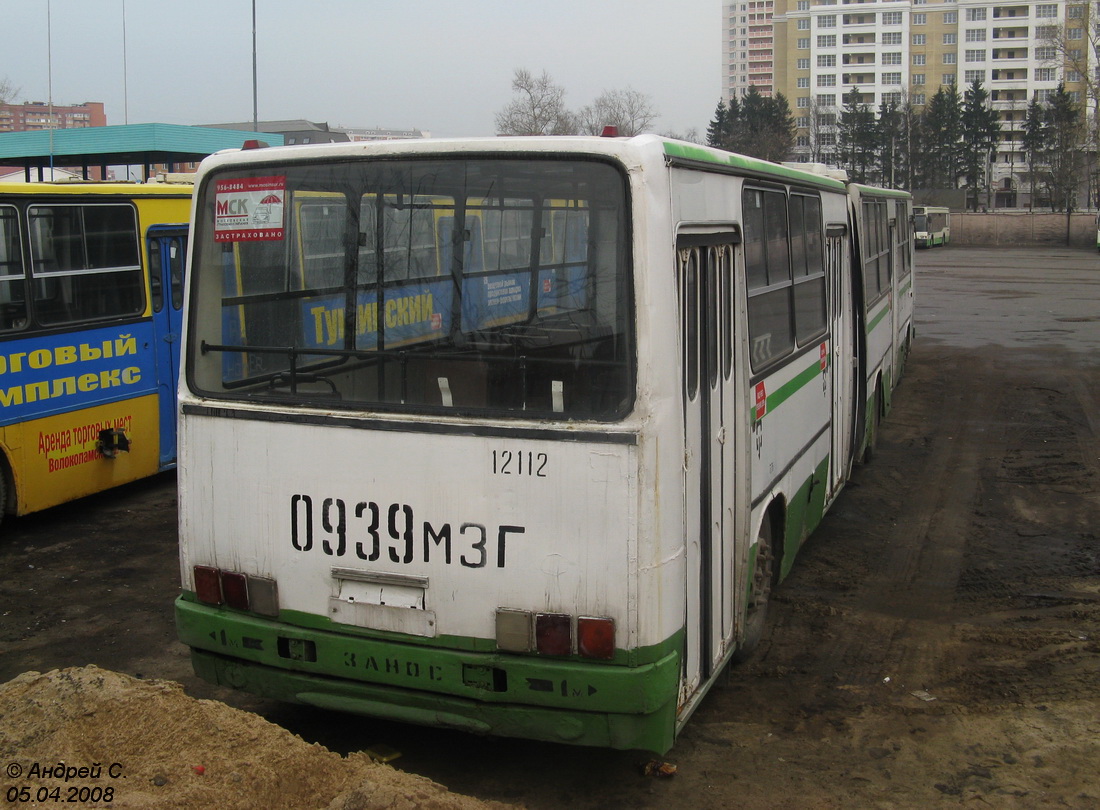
(253, 143)
(208, 584)
(610, 131)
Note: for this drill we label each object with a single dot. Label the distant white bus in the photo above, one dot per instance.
(516, 436)
(931, 226)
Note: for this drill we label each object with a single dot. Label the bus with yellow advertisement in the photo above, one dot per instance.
(91, 294)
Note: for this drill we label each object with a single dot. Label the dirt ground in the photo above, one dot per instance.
(937, 644)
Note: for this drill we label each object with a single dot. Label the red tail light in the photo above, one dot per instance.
(235, 590)
(208, 585)
(553, 634)
(596, 637)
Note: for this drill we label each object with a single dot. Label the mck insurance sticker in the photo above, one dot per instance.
(249, 209)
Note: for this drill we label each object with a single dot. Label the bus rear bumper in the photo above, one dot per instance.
(608, 706)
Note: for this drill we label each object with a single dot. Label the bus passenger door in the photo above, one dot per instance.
(845, 348)
(706, 283)
(167, 245)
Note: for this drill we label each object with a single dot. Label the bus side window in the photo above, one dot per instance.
(808, 267)
(13, 295)
(767, 276)
(86, 262)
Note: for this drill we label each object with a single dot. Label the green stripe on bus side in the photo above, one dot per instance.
(878, 318)
(789, 388)
(720, 158)
(908, 286)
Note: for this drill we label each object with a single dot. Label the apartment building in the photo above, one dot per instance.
(34, 116)
(748, 48)
(897, 50)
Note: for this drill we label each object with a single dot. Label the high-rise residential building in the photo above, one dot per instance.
(748, 49)
(33, 116)
(905, 50)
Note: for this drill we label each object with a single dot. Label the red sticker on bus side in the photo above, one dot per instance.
(761, 400)
(824, 356)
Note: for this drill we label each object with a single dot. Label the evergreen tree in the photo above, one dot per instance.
(943, 123)
(915, 152)
(1033, 142)
(980, 128)
(856, 137)
(757, 126)
(718, 129)
(888, 144)
(1065, 131)
(780, 128)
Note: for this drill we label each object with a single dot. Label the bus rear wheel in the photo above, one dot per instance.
(876, 418)
(763, 579)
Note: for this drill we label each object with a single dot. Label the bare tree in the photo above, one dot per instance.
(8, 91)
(822, 132)
(1074, 48)
(537, 109)
(630, 111)
(691, 135)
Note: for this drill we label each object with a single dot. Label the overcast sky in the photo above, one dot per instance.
(435, 65)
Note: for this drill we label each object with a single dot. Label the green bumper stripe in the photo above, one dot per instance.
(649, 732)
(478, 691)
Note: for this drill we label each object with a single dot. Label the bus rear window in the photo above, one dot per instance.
(476, 286)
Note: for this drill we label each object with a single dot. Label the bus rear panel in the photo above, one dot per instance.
(426, 363)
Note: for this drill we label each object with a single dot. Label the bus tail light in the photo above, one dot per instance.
(263, 593)
(513, 630)
(553, 634)
(208, 584)
(596, 637)
(236, 590)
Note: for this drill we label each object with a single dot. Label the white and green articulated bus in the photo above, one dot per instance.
(516, 435)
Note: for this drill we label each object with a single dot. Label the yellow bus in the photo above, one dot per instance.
(91, 293)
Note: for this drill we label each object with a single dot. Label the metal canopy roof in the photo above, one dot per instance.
(127, 145)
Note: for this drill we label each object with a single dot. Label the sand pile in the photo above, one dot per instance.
(158, 748)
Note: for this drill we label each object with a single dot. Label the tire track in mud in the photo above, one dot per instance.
(1034, 640)
(907, 601)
